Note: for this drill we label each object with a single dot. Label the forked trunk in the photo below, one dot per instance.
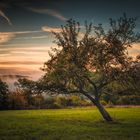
(103, 112)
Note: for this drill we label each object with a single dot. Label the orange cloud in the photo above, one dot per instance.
(34, 74)
(18, 57)
(6, 36)
(58, 30)
(135, 50)
(51, 29)
(20, 63)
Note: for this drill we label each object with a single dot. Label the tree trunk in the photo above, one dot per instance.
(103, 112)
(100, 107)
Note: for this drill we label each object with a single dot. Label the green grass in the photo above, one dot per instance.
(69, 124)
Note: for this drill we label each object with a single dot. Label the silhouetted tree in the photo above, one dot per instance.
(3, 95)
(86, 62)
(27, 87)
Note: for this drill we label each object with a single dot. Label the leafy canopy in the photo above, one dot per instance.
(87, 61)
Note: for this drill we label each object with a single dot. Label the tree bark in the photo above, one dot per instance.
(103, 112)
(100, 107)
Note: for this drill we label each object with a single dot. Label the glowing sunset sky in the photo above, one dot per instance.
(26, 25)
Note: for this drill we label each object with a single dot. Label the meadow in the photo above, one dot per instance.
(69, 124)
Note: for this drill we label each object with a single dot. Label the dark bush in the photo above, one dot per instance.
(129, 100)
(17, 100)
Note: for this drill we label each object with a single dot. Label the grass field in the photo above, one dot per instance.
(69, 124)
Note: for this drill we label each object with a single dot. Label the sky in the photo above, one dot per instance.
(26, 25)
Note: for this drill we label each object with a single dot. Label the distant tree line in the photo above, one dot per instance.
(24, 98)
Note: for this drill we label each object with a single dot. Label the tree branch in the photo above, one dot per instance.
(94, 85)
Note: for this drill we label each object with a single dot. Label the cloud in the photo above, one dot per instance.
(50, 12)
(34, 74)
(2, 14)
(135, 50)
(5, 36)
(26, 32)
(31, 55)
(33, 37)
(20, 63)
(19, 70)
(58, 30)
(51, 29)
